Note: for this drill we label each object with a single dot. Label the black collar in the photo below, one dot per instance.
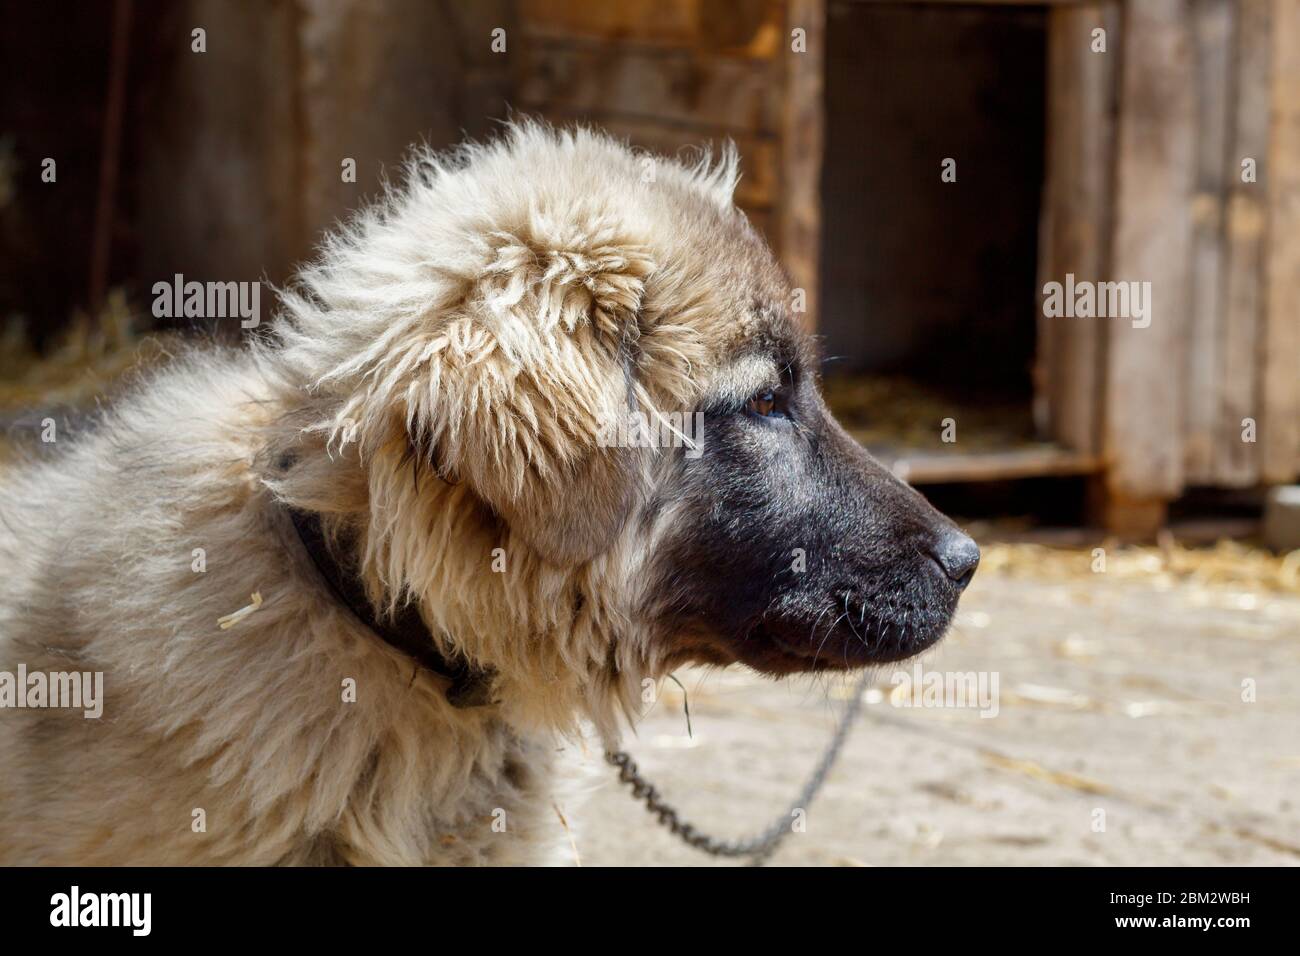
(405, 632)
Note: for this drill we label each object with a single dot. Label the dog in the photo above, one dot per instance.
(352, 587)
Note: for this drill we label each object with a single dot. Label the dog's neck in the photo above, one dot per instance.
(554, 657)
(404, 631)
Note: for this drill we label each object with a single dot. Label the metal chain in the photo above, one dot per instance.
(762, 845)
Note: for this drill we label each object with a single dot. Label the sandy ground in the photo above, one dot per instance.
(1114, 696)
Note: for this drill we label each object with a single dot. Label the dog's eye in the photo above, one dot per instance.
(764, 405)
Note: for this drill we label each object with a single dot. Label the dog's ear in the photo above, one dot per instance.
(522, 381)
(577, 518)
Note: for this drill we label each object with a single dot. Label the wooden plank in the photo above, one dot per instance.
(1152, 243)
(1280, 344)
(802, 117)
(1193, 532)
(939, 468)
(1235, 385)
(218, 159)
(370, 86)
(740, 27)
(1126, 517)
(1007, 466)
(1076, 218)
(673, 86)
(662, 21)
(1212, 35)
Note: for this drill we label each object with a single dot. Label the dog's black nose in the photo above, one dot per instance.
(957, 555)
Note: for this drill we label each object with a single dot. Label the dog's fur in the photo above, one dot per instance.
(435, 388)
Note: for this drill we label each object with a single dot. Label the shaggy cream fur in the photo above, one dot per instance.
(434, 386)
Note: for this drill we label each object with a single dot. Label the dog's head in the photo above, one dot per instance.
(589, 427)
(785, 545)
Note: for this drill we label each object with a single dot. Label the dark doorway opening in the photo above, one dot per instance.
(923, 279)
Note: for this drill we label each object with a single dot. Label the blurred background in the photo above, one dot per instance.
(922, 169)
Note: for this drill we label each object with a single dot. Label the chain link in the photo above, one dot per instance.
(763, 844)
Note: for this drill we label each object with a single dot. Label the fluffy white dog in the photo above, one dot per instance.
(350, 588)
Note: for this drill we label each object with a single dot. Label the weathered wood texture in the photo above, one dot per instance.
(1212, 35)
(219, 166)
(1229, 380)
(1244, 341)
(1204, 205)
(375, 76)
(934, 468)
(802, 116)
(1280, 371)
(1138, 518)
(1076, 218)
(241, 161)
(674, 74)
(699, 24)
(675, 87)
(1155, 167)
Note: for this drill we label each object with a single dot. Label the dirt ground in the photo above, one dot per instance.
(1117, 695)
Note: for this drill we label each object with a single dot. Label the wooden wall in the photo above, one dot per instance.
(1279, 346)
(233, 169)
(1076, 222)
(246, 139)
(670, 73)
(241, 146)
(663, 74)
(1146, 150)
